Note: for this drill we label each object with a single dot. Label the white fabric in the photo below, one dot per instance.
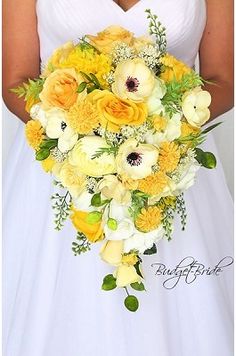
(53, 304)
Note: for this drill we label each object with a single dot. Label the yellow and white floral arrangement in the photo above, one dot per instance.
(117, 121)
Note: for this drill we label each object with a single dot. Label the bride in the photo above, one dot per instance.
(52, 301)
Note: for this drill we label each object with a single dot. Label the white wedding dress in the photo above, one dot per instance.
(53, 303)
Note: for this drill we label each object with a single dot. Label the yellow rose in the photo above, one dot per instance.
(59, 55)
(111, 252)
(125, 275)
(60, 89)
(173, 68)
(114, 112)
(112, 188)
(93, 232)
(106, 40)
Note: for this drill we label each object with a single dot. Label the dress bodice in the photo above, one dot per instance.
(62, 20)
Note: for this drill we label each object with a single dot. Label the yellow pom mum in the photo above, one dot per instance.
(131, 259)
(83, 117)
(169, 156)
(149, 219)
(174, 69)
(34, 133)
(153, 184)
(88, 61)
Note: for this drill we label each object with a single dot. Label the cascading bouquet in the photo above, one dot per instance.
(117, 121)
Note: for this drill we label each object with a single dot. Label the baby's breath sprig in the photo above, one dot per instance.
(159, 31)
(82, 246)
(61, 206)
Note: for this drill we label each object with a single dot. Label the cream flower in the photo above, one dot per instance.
(154, 100)
(171, 131)
(82, 157)
(72, 179)
(186, 178)
(195, 106)
(111, 252)
(112, 188)
(133, 80)
(141, 241)
(83, 201)
(136, 160)
(57, 127)
(125, 275)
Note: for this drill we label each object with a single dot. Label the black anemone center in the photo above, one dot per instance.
(134, 159)
(63, 125)
(132, 84)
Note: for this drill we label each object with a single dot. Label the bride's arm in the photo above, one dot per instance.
(216, 55)
(20, 50)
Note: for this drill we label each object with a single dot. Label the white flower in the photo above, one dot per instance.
(141, 241)
(57, 127)
(37, 113)
(170, 133)
(83, 202)
(154, 100)
(82, 157)
(186, 178)
(125, 226)
(133, 80)
(136, 160)
(195, 106)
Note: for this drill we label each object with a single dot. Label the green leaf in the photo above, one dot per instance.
(151, 251)
(112, 224)
(42, 154)
(96, 200)
(81, 87)
(94, 217)
(206, 159)
(49, 144)
(86, 76)
(95, 80)
(138, 286)
(208, 129)
(131, 303)
(109, 282)
(137, 268)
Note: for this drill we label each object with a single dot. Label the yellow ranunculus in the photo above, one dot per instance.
(93, 232)
(82, 154)
(114, 112)
(111, 252)
(60, 89)
(106, 40)
(125, 275)
(112, 188)
(72, 179)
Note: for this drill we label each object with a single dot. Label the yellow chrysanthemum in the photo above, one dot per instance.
(153, 184)
(131, 259)
(159, 122)
(83, 117)
(34, 133)
(173, 68)
(149, 219)
(88, 61)
(169, 156)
